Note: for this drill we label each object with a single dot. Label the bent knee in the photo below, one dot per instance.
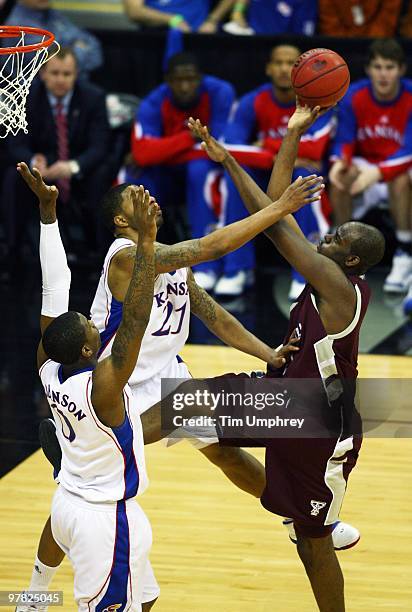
(227, 456)
(314, 551)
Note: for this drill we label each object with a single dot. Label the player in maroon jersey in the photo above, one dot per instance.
(306, 478)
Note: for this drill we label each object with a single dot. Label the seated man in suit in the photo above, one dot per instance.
(67, 140)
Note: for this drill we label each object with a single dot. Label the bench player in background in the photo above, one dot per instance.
(372, 152)
(94, 518)
(254, 135)
(164, 149)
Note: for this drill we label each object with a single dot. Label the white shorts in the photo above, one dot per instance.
(108, 546)
(371, 197)
(149, 392)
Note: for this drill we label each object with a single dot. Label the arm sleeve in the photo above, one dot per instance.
(344, 143)
(401, 160)
(147, 144)
(56, 276)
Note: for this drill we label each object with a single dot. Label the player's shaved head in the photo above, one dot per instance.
(367, 242)
(64, 338)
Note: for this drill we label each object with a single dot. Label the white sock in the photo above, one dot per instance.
(41, 576)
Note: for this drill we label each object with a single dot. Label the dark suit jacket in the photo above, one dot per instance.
(87, 123)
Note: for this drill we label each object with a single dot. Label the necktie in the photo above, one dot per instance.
(62, 150)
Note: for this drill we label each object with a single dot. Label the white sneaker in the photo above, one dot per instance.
(33, 607)
(397, 280)
(343, 535)
(295, 290)
(234, 285)
(206, 280)
(407, 302)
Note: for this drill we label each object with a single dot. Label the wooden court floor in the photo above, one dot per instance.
(215, 548)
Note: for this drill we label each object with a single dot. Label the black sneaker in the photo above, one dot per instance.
(50, 444)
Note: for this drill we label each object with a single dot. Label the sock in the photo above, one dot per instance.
(41, 576)
(404, 239)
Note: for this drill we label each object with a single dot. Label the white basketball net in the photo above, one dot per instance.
(17, 71)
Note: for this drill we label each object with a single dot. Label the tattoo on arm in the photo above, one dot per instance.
(181, 255)
(201, 304)
(136, 308)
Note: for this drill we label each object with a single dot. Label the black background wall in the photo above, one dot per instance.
(133, 60)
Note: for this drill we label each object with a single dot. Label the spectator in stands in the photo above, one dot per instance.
(273, 17)
(373, 151)
(37, 13)
(164, 148)
(258, 126)
(186, 15)
(67, 141)
(370, 18)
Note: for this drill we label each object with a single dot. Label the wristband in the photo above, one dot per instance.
(175, 20)
(239, 7)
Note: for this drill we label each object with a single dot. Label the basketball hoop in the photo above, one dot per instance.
(19, 64)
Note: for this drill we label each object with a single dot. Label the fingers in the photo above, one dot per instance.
(198, 129)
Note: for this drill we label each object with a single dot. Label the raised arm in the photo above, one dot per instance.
(218, 243)
(111, 374)
(321, 272)
(56, 274)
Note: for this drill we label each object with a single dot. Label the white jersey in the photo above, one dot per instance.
(168, 327)
(99, 463)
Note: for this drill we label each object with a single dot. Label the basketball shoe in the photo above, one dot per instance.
(397, 279)
(343, 535)
(50, 444)
(33, 607)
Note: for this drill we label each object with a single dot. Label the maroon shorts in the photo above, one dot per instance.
(306, 478)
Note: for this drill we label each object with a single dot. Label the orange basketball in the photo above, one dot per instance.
(320, 77)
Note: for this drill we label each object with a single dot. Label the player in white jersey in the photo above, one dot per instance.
(169, 320)
(94, 518)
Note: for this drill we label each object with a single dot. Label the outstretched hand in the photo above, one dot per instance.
(145, 210)
(46, 194)
(302, 191)
(213, 148)
(304, 116)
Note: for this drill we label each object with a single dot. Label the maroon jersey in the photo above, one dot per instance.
(322, 354)
(306, 478)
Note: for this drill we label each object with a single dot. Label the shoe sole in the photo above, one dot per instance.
(351, 545)
(394, 289)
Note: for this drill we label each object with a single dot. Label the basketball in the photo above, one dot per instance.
(320, 77)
